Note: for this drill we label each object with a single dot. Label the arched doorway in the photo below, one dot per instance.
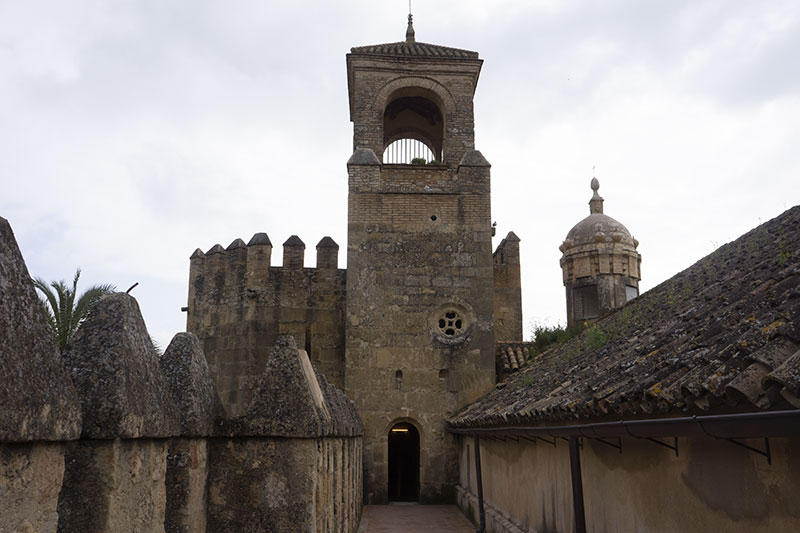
(403, 463)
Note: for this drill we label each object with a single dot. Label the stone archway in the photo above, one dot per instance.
(403, 457)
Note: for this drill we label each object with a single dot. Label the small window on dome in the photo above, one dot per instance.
(585, 303)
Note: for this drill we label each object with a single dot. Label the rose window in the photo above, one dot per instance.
(451, 324)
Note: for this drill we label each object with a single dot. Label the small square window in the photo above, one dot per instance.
(631, 293)
(584, 302)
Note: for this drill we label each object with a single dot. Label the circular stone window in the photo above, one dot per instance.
(451, 323)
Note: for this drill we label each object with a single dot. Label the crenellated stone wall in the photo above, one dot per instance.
(110, 436)
(239, 304)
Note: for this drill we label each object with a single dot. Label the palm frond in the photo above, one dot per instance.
(48, 301)
(64, 312)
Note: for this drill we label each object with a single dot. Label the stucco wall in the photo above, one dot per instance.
(711, 486)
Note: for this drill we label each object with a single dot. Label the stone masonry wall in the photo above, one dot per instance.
(450, 84)
(39, 409)
(419, 247)
(507, 291)
(109, 436)
(300, 467)
(239, 305)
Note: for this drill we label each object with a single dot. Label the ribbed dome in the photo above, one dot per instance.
(598, 227)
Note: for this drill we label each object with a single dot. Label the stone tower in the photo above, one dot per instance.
(600, 265)
(419, 330)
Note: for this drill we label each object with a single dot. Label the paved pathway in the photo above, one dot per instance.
(412, 518)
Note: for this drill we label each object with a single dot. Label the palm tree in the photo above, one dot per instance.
(65, 314)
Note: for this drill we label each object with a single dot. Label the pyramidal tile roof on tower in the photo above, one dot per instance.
(407, 49)
(722, 336)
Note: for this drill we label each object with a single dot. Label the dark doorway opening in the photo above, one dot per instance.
(403, 463)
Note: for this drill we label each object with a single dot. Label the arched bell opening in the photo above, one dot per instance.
(414, 114)
(403, 463)
(408, 151)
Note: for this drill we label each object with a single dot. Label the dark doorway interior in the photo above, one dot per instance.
(403, 463)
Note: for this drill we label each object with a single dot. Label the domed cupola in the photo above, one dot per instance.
(600, 265)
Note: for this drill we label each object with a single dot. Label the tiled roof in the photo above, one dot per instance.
(512, 356)
(721, 336)
(407, 49)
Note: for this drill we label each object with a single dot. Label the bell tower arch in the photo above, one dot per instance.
(413, 90)
(419, 328)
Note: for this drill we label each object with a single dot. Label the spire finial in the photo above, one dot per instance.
(596, 203)
(410, 31)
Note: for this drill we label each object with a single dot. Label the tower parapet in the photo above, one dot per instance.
(600, 265)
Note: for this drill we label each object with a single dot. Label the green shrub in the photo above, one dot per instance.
(546, 336)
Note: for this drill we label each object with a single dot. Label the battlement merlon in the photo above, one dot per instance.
(507, 252)
(507, 290)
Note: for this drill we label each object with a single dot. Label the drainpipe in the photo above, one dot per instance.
(481, 512)
(577, 485)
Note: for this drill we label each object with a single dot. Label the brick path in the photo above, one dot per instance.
(412, 518)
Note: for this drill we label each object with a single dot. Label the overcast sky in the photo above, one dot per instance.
(133, 132)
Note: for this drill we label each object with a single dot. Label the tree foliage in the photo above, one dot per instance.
(64, 312)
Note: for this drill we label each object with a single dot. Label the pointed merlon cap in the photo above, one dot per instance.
(216, 249)
(596, 203)
(512, 237)
(327, 242)
(474, 158)
(294, 241)
(260, 238)
(238, 243)
(410, 37)
(198, 254)
(364, 156)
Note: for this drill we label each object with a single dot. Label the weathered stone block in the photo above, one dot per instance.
(37, 397)
(191, 385)
(259, 484)
(116, 372)
(187, 473)
(113, 485)
(30, 480)
(287, 401)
